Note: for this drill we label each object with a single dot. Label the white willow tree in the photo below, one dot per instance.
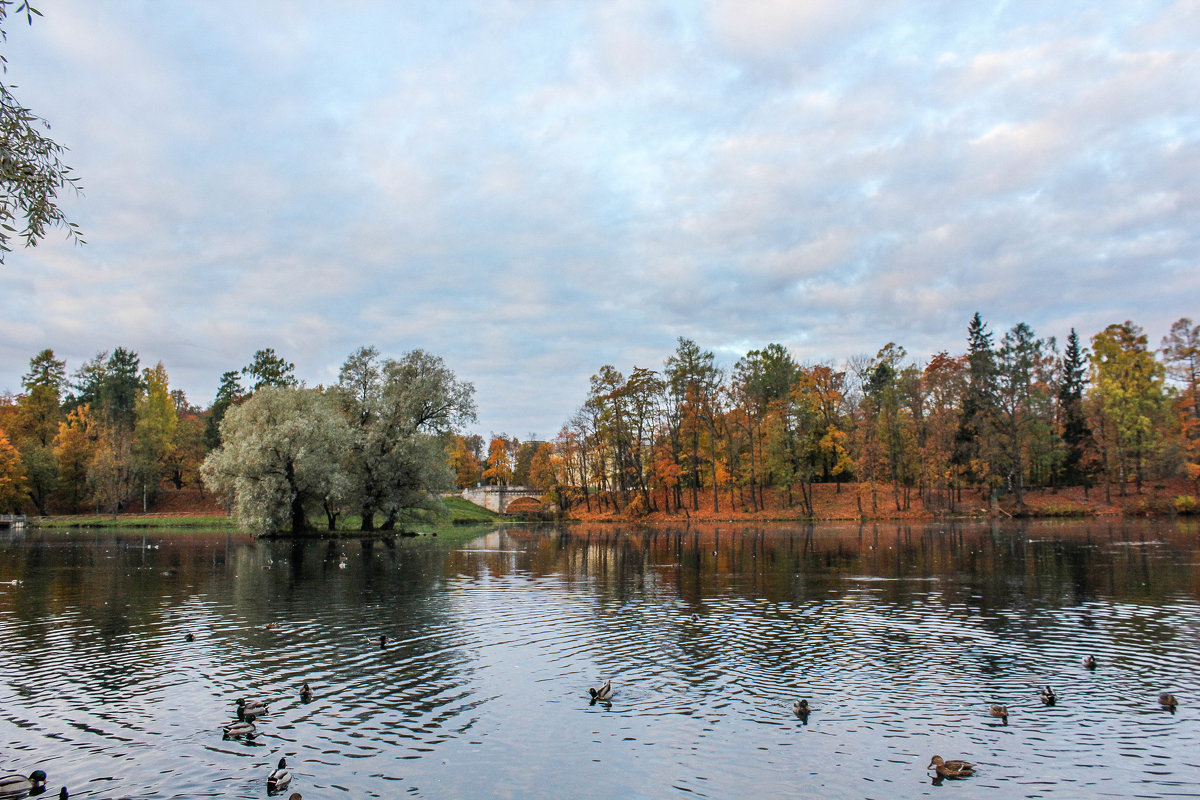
(281, 456)
(396, 411)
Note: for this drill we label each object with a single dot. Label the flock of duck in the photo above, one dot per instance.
(17, 786)
(955, 768)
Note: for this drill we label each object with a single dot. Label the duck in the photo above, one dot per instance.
(801, 708)
(380, 640)
(1000, 711)
(271, 626)
(250, 710)
(235, 730)
(955, 768)
(279, 777)
(295, 796)
(1167, 700)
(306, 694)
(1089, 662)
(1048, 696)
(603, 694)
(11, 785)
(191, 637)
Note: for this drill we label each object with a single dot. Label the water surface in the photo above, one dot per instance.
(899, 636)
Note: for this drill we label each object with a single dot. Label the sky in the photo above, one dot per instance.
(532, 189)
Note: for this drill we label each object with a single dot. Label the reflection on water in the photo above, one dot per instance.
(900, 638)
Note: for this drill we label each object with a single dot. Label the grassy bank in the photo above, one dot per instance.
(134, 521)
(461, 512)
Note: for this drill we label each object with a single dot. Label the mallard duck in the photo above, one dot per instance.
(954, 768)
(1089, 662)
(604, 693)
(63, 794)
(271, 626)
(1167, 700)
(191, 637)
(279, 777)
(1000, 711)
(801, 708)
(1048, 696)
(306, 694)
(295, 796)
(380, 640)
(11, 785)
(251, 709)
(236, 730)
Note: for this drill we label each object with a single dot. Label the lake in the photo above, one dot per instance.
(899, 636)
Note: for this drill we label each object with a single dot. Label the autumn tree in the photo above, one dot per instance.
(463, 461)
(154, 434)
(498, 470)
(1128, 385)
(39, 412)
(12, 477)
(1181, 354)
(692, 382)
(74, 449)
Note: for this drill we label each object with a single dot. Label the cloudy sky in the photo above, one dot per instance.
(532, 189)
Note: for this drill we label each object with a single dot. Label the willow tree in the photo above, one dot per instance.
(280, 458)
(31, 168)
(397, 412)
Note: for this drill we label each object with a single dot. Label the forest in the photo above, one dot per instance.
(114, 436)
(995, 421)
(1000, 419)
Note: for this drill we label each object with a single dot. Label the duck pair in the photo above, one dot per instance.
(247, 710)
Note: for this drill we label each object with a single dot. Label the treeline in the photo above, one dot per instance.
(112, 435)
(998, 419)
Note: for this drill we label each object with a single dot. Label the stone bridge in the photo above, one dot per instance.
(497, 498)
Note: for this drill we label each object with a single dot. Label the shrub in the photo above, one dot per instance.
(1185, 504)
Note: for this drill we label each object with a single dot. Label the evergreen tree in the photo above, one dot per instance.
(1072, 422)
(970, 454)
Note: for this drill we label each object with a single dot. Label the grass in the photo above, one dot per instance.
(219, 522)
(461, 513)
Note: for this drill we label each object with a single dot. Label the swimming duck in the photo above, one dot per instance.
(11, 785)
(250, 710)
(235, 730)
(63, 794)
(955, 768)
(191, 637)
(306, 694)
(603, 694)
(380, 640)
(271, 626)
(1000, 711)
(1048, 696)
(1089, 662)
(279, 777)
(801, 708)
(1167, 700)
